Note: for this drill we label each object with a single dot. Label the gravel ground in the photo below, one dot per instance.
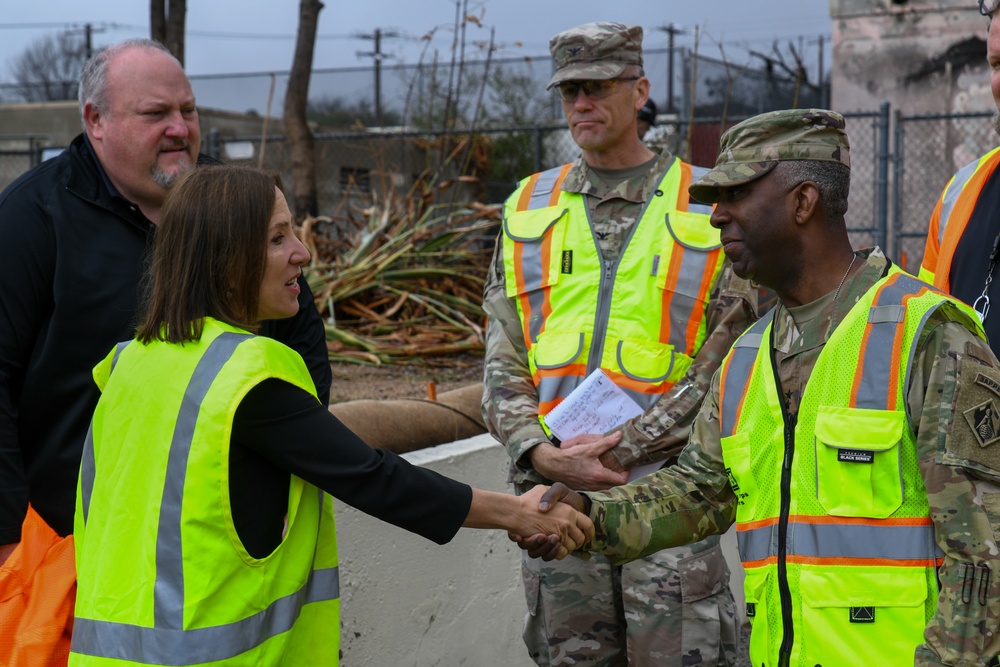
(356, 381)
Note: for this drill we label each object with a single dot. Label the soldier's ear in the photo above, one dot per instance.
(806, 196)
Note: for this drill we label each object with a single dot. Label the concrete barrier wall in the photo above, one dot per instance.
(408, 602)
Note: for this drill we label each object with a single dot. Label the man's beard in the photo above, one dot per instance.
(996, 122)
(166, 179)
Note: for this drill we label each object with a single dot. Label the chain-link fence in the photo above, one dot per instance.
(900, 164)
(929, 149)
(18, 154)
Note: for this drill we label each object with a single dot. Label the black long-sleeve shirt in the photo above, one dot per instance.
(280, 430)
(72, 255)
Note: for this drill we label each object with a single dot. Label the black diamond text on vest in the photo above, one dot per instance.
(862, 614)
(751, 609)
(567, 261)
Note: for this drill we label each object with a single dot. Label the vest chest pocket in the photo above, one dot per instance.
(858, 467)
(736, 454)
(650, 361)
(556, 349)
(870, 616)
(532, 249)
(755, 590)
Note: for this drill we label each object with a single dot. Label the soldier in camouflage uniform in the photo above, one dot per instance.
(672, 608)
(780, 211)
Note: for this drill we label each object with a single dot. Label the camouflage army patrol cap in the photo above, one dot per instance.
(595, 51)
(752, 148)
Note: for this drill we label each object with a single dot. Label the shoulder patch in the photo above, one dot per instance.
(977, 353)
(976, 429)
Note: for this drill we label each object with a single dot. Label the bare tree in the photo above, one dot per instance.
(49, 69)
(300, 137)
(166, 24)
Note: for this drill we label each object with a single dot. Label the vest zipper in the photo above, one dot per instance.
(607, 286)
(784, 592)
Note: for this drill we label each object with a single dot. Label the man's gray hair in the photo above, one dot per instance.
(94, 77)
(832, 178)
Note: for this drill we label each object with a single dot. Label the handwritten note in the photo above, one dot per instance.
(596, 406)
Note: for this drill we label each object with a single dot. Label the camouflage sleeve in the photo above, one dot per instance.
(510, 402)
(663, 429)
(954, 403)
(676, 505)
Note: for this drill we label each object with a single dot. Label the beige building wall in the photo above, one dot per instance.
(923, 56)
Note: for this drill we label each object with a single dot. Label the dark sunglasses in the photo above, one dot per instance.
(987, 7)
(595, 89)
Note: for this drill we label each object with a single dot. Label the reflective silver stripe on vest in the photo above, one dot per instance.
(758, 543)
(536, 301)
(693, 266)
(952, 193)
(87, 464)
(168, 596)
(885, 316)
(552, 388)
(542, 193)
(171, 646)
(694, 205)
(740, 363)
(830, 540)
(167, 642)
(531, 265)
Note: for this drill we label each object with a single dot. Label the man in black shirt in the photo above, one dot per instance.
(75, 233)
(963, 240)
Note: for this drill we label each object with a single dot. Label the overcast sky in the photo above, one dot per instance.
(258, 35)
(244, 36)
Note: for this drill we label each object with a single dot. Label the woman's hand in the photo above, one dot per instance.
(556, 498)
(558, 524)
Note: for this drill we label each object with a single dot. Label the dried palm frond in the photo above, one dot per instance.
(407, 283)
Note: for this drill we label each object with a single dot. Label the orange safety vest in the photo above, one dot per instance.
(37, 594)
(951, 216)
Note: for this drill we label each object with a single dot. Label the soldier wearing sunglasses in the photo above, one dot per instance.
(606, 265)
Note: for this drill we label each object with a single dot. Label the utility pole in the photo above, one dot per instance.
(88, 31)
(377, 55)
(671, 30)
(822, 86)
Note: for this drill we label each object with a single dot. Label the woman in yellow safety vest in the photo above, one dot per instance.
(204, 521)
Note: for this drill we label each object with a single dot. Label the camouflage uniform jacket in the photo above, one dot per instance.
(953, 372)
(510, 402)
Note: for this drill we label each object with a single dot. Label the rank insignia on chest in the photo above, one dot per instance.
(567, 261)
(985, 422)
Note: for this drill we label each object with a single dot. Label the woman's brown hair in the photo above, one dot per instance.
(209, 254)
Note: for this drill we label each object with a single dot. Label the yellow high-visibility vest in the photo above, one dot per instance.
(641, 318)
(163, 576)
(833, 524)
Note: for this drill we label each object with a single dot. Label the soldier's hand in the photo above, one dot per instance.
(577, 463)
(548, 547)
(540, 546)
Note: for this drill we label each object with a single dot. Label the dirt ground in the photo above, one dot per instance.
(354, 381)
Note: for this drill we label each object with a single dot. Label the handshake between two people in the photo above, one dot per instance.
(586, 464)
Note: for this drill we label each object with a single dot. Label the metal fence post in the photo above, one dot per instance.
(34, 151)
(214, 145)
(897, 188)
(537, 133)
(882, 174)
